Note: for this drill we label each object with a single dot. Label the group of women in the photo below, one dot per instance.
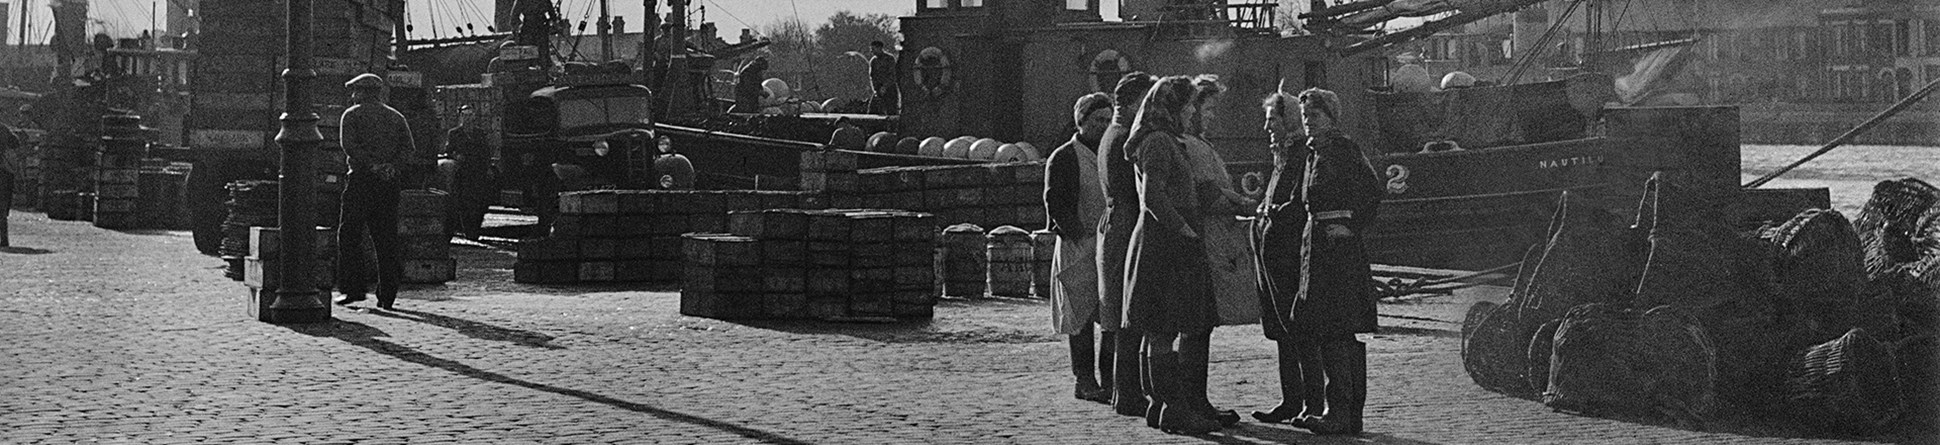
(1153, 249)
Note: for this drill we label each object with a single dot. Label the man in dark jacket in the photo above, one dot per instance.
(882, 80)
(376, 141)
(468, 146)
(1342, 195)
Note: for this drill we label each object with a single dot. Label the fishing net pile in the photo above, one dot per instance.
(1684, 318)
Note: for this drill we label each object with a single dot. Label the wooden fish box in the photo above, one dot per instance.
(548, 249)
(420, 225)
(713, 249)
(776, 224)
(545, 272)
(426, 203)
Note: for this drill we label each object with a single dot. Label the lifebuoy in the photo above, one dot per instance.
(931, 72)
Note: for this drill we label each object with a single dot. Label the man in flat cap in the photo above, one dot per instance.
(376, 140)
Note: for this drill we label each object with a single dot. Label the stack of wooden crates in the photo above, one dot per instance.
(426, 248)
(262, 268)
(634, 235)
(813, 264)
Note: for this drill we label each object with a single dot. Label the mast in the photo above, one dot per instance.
(606, 33)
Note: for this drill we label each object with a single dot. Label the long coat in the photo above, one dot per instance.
(1335, 296)
(1168, 285)
(1277, 232)
(1120, 184)
(1074, 201)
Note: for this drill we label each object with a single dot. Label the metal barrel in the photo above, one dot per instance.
(1011, 261)
(965, 261)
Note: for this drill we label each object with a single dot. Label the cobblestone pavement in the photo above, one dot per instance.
(131, 337)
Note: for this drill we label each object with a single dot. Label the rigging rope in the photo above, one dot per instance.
(1850, 134)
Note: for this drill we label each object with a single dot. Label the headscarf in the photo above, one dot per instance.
(1087, 104)
(1204, 88)
(1323, 100)
(1159, 111)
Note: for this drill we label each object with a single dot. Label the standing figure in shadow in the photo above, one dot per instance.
(1335, 302)
(1168, 288)
(1073, 201)
(1277, 232)
(1120, 185)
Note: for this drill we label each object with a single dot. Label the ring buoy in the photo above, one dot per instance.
(1105, 68)
(931, 73)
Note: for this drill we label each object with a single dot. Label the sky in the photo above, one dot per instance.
(129, 17)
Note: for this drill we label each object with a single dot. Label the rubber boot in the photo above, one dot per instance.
(1293, 390)
(1082, 367)
(1176, 413)
(1128, 389)
(1107, 347)
(1313, 380)
(1346, 365)
(1154, 405)
(1195, 361)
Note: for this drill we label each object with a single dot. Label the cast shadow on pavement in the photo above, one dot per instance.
(472, 329)
(368, 337)
(1255, 433)
(16, 250)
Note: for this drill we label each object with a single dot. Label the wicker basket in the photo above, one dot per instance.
(1919, 372)
(1657, 362)
(1819, 258)
(1583, 262)
(1849, 384)
(1886, 226)
(1493, 350)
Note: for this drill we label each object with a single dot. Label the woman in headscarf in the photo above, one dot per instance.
(1167, 284)
(1074, 201)
(1334, 302)
(1277, 232)
(1120, 186)
(1228, 256)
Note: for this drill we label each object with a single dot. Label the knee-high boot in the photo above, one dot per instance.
(1175, 411)
(1082, 368)
(1195, 361)
(1107, 349)
(1345, 362)
(1128, 388)
(1293, 388)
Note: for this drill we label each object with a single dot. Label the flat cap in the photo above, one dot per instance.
(366, 80)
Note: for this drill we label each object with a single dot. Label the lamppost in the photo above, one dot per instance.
(297, 299)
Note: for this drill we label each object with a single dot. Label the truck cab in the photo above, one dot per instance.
(575, 135)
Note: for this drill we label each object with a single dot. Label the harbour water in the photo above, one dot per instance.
(1848, 171)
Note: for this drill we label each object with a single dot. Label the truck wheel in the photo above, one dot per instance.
(204, 194)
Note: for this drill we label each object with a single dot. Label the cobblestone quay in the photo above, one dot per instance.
(131, 337)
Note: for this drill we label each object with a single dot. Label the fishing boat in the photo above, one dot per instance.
(1471, 175)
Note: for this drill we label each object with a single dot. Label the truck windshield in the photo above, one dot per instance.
(607, 110)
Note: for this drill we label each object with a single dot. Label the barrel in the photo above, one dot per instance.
(1044, 246)
(1011, 261)
(964, 260)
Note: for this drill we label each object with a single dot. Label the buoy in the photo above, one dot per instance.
(882, 142)
(985, 149)
(931, 146)
(1031, 152)
(908, 146)
(959, 147)
(1010, 153)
